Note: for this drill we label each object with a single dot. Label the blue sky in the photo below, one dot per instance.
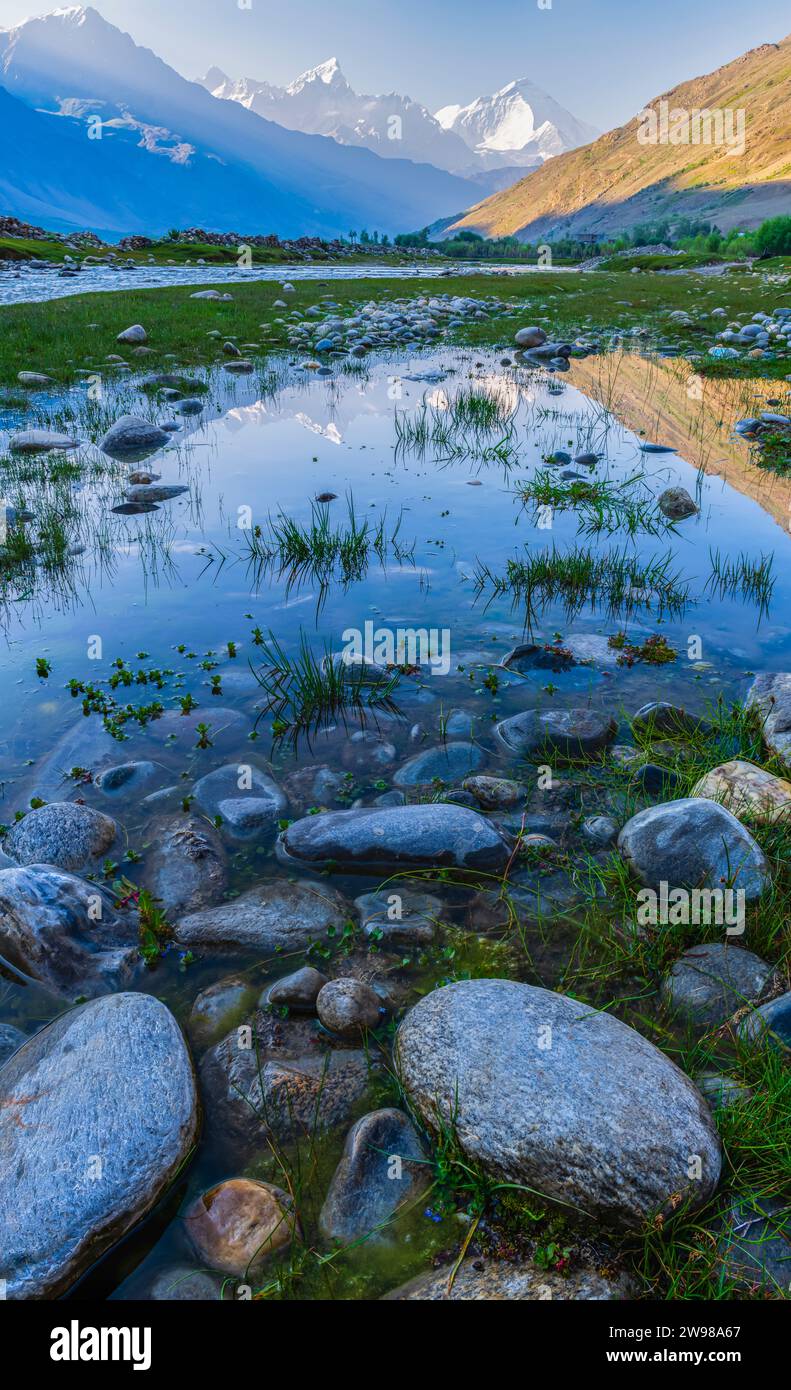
(601, 58)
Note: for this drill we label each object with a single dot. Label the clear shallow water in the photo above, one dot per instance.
(179, 578)
(21, 284)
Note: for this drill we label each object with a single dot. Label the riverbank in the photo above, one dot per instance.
(676, 312)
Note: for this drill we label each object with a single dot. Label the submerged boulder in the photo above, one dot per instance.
(449, 762)
(63, 931)
(186, 869)
(401, 917)
(368, 1187)
(237, 1225)
(246, 799)
(424, 836)
(276, 1078)
(218, 1007)
(571, 735)
(276, 915)
(545, 1091)
(98, 1112)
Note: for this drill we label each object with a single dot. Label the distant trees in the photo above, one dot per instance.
(413, 239)
(773, 238)
(367, 238)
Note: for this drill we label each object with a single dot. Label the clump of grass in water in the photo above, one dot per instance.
(742, 577)
(305, 692)
(322, 551)
(618, 581)
(462, 430)
(600, 505)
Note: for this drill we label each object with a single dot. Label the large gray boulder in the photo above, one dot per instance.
(383, 1167)
(133, 438)
(64, 834)
(545, 1091)
(569, 735)
(434, 834)
(711, 981)
(770, 696)
(64, 932)
(693, 843)
(274, 916)
(97, 1114)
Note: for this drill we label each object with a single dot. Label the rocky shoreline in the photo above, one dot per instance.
(529, 1085)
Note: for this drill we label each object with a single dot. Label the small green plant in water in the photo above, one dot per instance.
(655, 651)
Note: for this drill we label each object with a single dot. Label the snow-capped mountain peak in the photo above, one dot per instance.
(519, 124)
(328, 74)
(492, 140)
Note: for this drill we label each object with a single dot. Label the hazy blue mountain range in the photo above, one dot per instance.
(173, 155)
(493, 140)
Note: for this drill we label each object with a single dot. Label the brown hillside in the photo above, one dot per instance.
(618, 181)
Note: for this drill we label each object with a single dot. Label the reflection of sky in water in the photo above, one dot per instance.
(338, 436)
